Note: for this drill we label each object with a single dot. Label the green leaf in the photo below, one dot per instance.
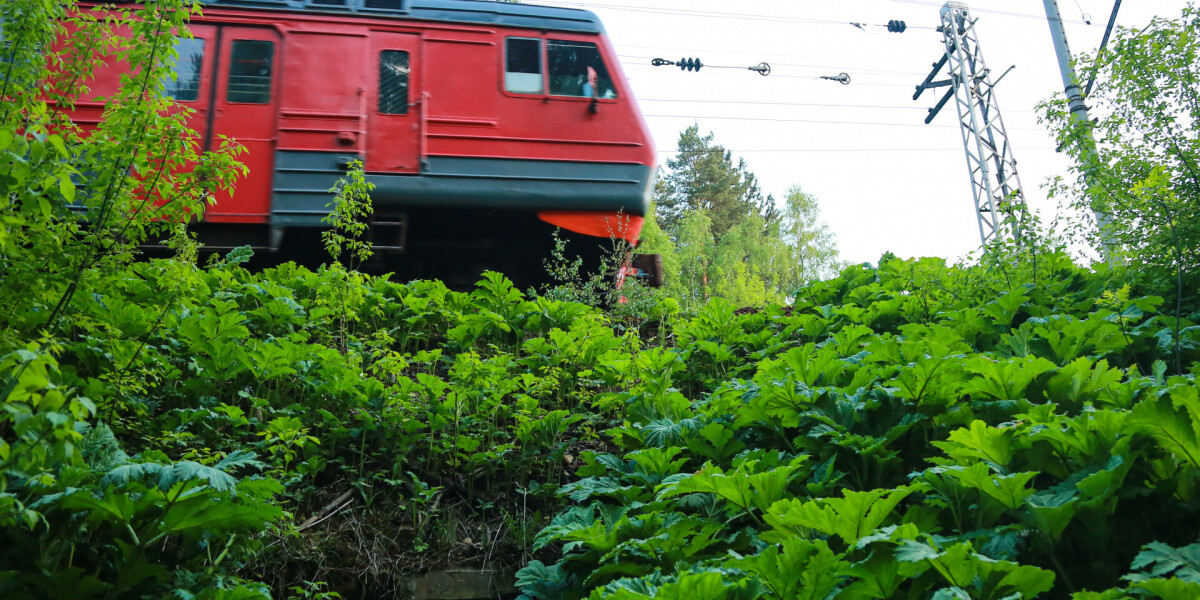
(914, 551)
(115, 507)
(1181, 563)
(1080, 381)
(742, 490)
(1170, 589)
(1051, 512)
(239, 255)
(1019, 581)
(797, 568)
(1175, 430)
(881, 575)
(170, 475)
(1005, 380)
(980, 442)
(237, 459)
(67, 188)
(694, 586)
(1009, 490)
(951, 593)
(851, 517)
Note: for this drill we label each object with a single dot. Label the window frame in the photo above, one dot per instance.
(270, 77)
(199, 79)
(599, 54)
(541, 67)
(543, 52)
(407, 84)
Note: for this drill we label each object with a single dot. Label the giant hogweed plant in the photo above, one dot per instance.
(423, 408)
(906, 431)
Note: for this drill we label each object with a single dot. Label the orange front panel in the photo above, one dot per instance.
(596, 224)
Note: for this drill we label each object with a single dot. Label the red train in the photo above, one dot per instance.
(483, 125)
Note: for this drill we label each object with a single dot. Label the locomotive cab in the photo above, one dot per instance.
(482, 125)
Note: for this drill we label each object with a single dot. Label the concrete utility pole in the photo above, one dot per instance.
(1079, 113)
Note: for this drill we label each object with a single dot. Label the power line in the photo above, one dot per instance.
(767, 54)
(1006, 13)
(729, 15)
(1104, 42)
(819, 121)
(637, 66)
(768, 103)
(802, 65)
(823, 150)
(801, 20)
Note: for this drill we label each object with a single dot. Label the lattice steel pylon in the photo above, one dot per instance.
(994, 182)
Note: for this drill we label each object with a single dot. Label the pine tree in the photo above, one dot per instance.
(703, 176)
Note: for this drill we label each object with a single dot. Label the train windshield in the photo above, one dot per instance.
(569, 62)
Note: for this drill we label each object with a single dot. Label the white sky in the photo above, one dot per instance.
(884, 179)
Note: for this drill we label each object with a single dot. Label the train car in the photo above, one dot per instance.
(483, 126)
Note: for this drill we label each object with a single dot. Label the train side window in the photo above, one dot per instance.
(523, 66)
(393, 82)
(569, 62)
(185, 84)
(250, 72)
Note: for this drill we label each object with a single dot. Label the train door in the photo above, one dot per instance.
(393, 115)
(242, 107)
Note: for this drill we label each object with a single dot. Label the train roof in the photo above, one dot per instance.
(482, 12)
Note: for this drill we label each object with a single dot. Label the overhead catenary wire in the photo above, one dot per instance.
(687, 12)
(993, 11)
(718, 50)
(802, 20)
(780, 103)
(1103, 43)
(1087, 18)
(817, 121)
(636, 66)
(824, 150)
(690, 64)
(800, 65)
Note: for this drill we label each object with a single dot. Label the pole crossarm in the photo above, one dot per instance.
(995, 186)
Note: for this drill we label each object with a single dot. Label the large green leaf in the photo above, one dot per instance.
(1005, 380)
(1170, 589)
(851, 517)
(1163, 560)
(742, 490)
(1176, 430)
(978, 442)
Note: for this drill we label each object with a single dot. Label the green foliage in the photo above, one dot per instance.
(78, 201)
(352, 208)
(1016, 428)
(703, 177)
(720, 238)
(907, 431)
(1143, 170)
